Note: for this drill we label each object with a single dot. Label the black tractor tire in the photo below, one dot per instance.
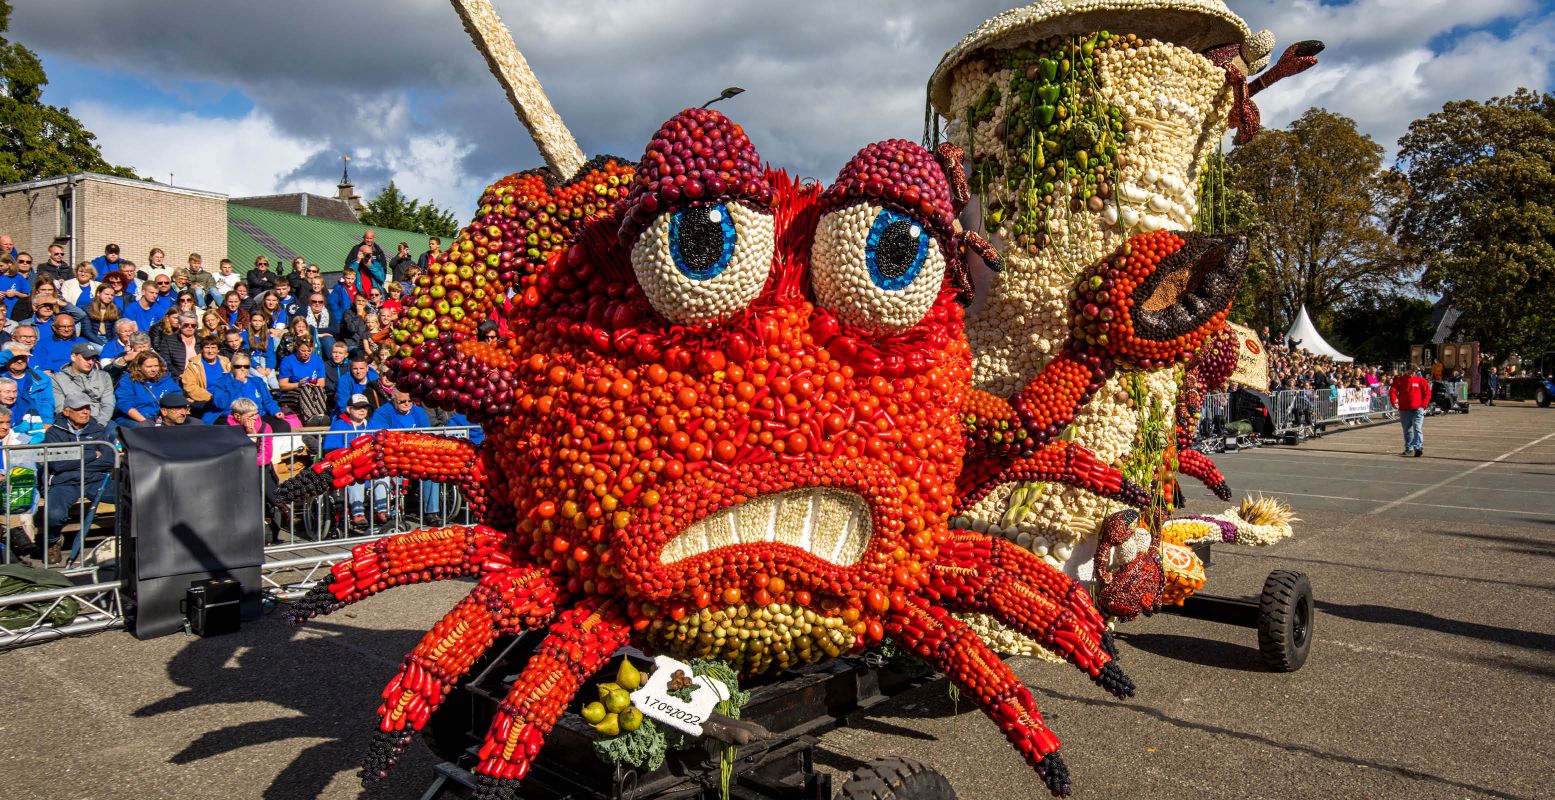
(1542, 397)
(896, 778)
(1285, 616)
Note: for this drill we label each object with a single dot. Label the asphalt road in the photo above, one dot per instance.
(1430, 675)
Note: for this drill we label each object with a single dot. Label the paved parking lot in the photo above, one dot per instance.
(1430, 677)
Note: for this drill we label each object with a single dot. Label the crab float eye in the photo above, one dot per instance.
(705, 262)
(876, 268)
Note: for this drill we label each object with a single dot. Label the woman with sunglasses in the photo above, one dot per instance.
(13, 284)
(182, 346)
(241, 382)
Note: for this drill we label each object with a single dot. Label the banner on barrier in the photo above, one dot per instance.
(1354, 401)
(1252, 360)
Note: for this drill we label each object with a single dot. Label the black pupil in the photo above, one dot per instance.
(701, 239)
(897, 251)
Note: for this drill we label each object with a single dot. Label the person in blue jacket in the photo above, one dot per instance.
(34, 390)
(356, 381)
(339, 301)
(242, 382)
(138, 397)
(13, 285)
(399, 414)
(349, 425)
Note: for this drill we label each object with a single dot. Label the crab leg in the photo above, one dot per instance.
(578, 645)
(397, 454)
(991, 575)
(1058, 462)
(955, 649)
(425, 554)
(1197, 465)
(503, 602)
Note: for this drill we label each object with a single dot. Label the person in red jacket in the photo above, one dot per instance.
(1411, 393)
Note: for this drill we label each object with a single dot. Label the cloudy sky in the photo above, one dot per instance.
(260, 97)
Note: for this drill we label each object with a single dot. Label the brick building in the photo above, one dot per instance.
(85, 211)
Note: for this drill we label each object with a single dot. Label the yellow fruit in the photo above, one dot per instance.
(631, 719)
(617, 701)
(630, 678)
(593, 713)
(611, 726)
(606, 688)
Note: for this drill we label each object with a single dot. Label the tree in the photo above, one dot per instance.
(390, 208)
(1378, 329)
(39, 140)
(1225, 207)
(1482, 211)
(1322, 189)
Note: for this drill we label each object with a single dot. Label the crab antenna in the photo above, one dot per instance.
(555, 143)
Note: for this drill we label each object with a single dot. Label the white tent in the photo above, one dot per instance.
(1304, 335)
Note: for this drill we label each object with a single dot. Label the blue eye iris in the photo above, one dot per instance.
(895, 250)
(702, 241)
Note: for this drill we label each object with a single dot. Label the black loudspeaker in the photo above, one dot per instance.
(1254, 407)
(212, 607)
(191, 500)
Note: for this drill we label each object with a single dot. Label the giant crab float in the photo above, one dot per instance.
(737, 412)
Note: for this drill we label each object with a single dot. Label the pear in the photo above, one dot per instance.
(631, 719)
(617, 701)
(611, 726)
(630, 678)
(594, 713)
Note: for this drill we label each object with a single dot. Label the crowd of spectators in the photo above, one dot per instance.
(106, 344)
(1292, 368)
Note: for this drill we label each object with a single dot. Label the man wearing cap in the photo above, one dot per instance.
(72, 480)
(34, 390)
(55, 348)
(149, 307)
(242, 382)
(352, 423)
(84, 377)
(174, 411)
(108, 261)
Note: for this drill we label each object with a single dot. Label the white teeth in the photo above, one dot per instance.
(829, 523)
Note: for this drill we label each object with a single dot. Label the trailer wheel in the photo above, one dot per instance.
(1285, 620)
(896, 778)
(1542, 397)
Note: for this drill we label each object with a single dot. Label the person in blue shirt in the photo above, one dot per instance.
(148, 308)
(350, 424)
(242, 382)
(138, 397)
(399, 414)
(476, 435)
(54, 347)
(356, 381)
(13, 285)
(108, 261)
(301, 368)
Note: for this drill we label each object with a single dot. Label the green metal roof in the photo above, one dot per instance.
(324, 242)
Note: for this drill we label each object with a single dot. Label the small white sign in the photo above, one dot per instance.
(678, 698)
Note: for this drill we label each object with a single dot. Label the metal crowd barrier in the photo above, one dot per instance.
(301, 545)
(1299, 413)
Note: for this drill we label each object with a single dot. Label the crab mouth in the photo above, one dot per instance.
(1190, 286)
(833, 525)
